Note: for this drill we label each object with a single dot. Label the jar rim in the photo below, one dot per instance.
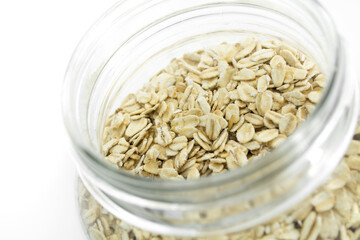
(204, 181)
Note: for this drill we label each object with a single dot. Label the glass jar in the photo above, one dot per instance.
(134, 40)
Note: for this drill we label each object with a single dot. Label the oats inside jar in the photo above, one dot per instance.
(213, 110)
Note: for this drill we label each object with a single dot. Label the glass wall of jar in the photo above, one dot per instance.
(134, 40)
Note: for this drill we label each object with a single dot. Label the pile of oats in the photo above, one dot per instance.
(330, 213)
(218, 109)
(213, 110)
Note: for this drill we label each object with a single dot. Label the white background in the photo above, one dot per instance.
(37, 180)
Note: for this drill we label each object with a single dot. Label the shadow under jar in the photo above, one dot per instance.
(135, 39)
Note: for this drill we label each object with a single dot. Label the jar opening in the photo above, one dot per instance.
(228, 8)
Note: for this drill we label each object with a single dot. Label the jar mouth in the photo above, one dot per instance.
(280, 158)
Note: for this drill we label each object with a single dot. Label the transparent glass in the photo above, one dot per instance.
(134, 40)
